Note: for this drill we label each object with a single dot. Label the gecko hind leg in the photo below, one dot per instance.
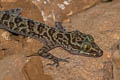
(59, 26)
(43, 52)
(56, 61)
(14, 11)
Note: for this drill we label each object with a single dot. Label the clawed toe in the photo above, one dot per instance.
(65, 60)
(54, 64)
(56, 61)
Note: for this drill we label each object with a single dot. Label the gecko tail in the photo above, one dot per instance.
(15, 11)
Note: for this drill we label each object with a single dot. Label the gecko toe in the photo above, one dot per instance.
(64, 60)
(54, 64)
(56, 61)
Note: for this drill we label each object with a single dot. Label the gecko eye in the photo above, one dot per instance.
(86, 47)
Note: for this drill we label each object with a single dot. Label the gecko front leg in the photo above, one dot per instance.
(43, 52)
(59, 26)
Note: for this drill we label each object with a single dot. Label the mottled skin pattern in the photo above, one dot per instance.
(74, 42)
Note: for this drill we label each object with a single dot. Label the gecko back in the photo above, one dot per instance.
(13, 22)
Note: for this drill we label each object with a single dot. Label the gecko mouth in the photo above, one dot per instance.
(93, 54)
(97, 54)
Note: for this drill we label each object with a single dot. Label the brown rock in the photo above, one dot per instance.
(116, 60)
(17, 67)
(28, 8)
(101, 21)
(11, 67)
(33, 70)
(56, 10)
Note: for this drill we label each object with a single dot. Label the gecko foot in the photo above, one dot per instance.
(57, 60)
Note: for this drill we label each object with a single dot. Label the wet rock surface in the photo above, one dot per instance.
(100, 20)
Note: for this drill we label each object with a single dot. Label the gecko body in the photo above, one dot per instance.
(75, 42)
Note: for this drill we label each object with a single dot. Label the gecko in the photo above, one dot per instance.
(75, 42)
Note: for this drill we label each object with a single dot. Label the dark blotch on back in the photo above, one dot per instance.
(59, 35)
(11, 25)
(5, 17)
(30, 23)
(51, 31)
(22, 25)
(18, 20)
(46, 35)
(24, 31)
(69, 38)
(6, 23)
(0, 21)
(41, 27)
(74, 40)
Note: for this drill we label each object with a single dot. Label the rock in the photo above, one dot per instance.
(33, 70)
(18, 67)
(100, 21)
(11, 68)
(116, 60)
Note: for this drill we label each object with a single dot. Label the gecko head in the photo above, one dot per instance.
(84, 45)
(90, 49)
